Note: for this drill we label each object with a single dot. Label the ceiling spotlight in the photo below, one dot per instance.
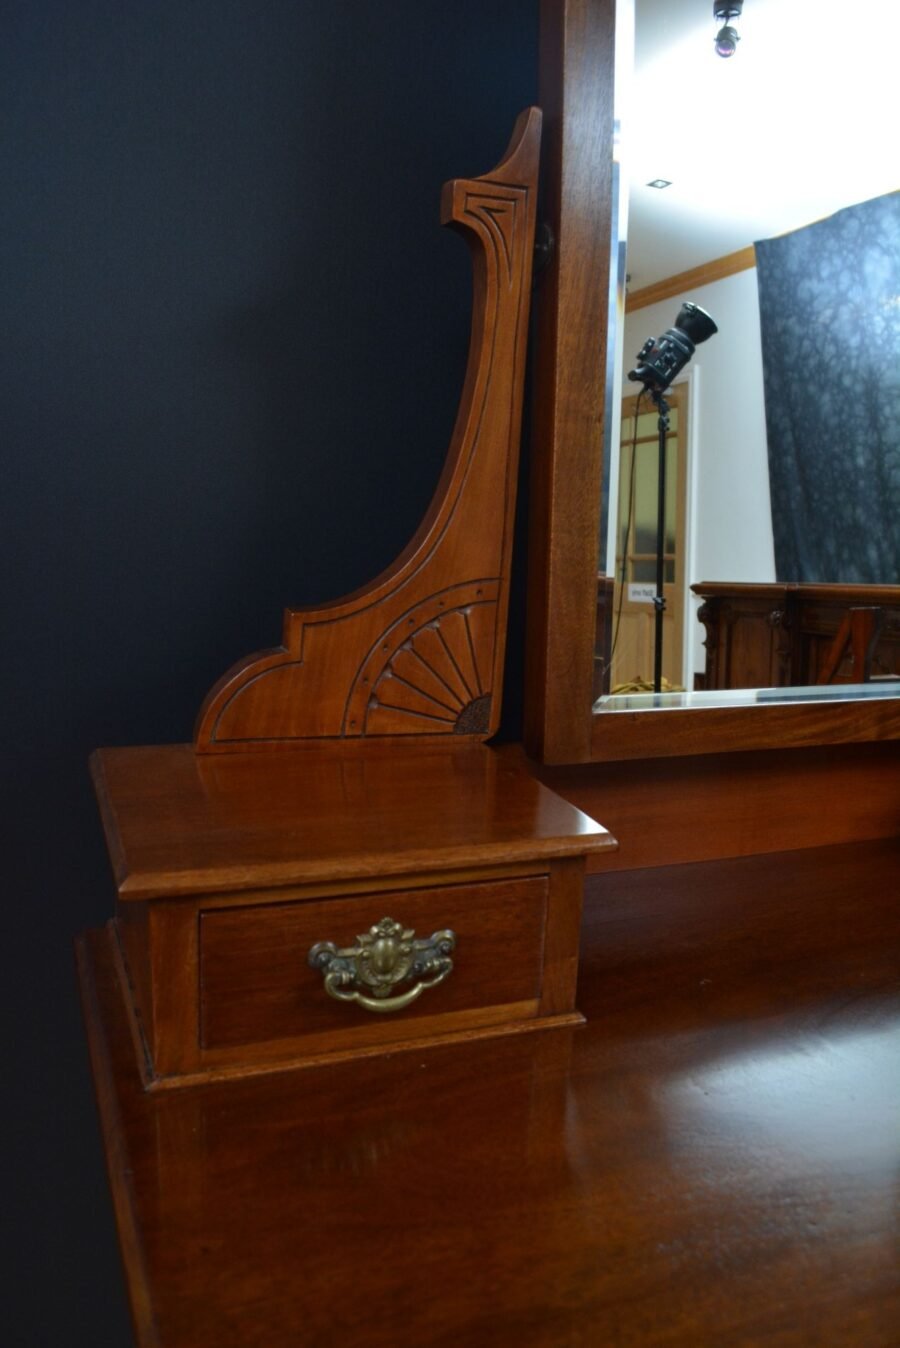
(726, 41)
(727, 37)
(660, 183)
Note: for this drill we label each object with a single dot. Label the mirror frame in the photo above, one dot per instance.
(577, 51)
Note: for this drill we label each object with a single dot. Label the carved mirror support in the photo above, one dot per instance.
(419, 651)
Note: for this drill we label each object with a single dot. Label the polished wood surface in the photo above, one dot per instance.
(710, 1162)
(419, 651)
(666, 811)
(741, 260)
(257, 1004)
(230, 869)
(179, 824)
(576, 83)
(254, 987)
(719, 730)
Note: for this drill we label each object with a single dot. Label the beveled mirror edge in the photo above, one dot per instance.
(713, 730)
(568, 411)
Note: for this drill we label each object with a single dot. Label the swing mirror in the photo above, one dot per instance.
(765, 600)
(705, 165)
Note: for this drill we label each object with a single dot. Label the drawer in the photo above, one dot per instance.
(256, 985)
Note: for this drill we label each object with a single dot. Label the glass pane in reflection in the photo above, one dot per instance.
(647, 426)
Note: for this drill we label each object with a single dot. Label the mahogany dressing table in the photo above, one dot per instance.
(711, 1158)
(339, 867)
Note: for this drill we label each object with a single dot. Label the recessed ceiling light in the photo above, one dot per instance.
(659, 182)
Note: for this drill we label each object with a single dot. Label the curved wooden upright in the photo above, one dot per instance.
(419, 651)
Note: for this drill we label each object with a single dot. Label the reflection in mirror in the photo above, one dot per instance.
(782, 547)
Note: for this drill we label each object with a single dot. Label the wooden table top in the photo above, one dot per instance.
(181, 823)
(712, 1161)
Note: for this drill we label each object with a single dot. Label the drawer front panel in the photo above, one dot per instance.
(256, 985)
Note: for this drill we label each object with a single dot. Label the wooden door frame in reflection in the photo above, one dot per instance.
(577, 55)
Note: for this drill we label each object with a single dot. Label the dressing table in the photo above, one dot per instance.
(339, 869)
(705, 1159)
(338, 841)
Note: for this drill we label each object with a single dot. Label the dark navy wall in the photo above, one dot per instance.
(233, 337)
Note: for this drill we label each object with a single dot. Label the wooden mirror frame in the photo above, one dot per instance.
(577, 47)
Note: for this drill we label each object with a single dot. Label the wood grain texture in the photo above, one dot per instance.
(576, 85)
(674, 733)
(230, 868)
(181, 824)
(711, 1160)
(174, 959)
(98, 998)
(707, 272)
(667, 811)
(419, 651)
(561, 937)
(257, 985)
(132, 925)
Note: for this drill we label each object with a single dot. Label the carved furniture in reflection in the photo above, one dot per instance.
(794, 635)
(603, 642)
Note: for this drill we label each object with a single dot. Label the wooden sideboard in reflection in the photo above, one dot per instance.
(789, 635)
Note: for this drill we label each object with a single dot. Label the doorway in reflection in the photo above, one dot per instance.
(633, 629)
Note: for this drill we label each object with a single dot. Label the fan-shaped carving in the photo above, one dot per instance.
(429, 666)
(339, 671)
(438, 680)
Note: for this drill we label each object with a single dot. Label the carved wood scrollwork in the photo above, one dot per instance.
(419, 651)
(708, 615)
(780, 621)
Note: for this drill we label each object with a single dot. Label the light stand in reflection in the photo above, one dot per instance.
(658, 362)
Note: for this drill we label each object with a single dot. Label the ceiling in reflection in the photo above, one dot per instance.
(799, 122)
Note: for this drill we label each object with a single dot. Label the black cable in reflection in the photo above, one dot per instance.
(629, 521)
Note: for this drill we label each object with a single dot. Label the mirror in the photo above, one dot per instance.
(721, 153)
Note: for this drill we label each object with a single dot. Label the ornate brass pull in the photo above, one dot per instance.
(386, 955)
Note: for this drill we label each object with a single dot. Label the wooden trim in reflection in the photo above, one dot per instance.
(703, 275)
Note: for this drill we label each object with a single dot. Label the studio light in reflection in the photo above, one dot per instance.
(660, 360)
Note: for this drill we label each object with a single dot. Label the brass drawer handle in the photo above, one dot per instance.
(386, 955)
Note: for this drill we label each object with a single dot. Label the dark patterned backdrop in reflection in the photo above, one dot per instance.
(830, 316)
